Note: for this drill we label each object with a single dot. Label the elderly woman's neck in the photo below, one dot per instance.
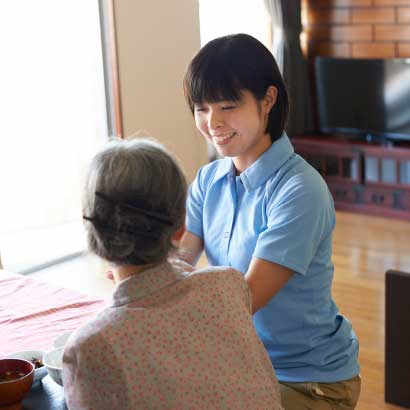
(123, 272)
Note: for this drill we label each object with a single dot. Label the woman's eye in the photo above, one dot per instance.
(228, 107)
(199, 109)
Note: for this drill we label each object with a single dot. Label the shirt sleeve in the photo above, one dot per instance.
(195, 205)
(299, 217)
(92, 377)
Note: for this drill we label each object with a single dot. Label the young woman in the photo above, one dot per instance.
(172, 337)
(266, 212)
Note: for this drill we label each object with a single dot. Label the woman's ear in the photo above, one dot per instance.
(270, 98)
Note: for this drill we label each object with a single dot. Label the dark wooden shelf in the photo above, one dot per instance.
(362, 176)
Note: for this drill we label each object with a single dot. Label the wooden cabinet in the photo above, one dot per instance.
(379, 197)
(343, 192)
(405, 201)
(362, 177)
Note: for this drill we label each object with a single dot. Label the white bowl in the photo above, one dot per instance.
(61, 340)
(53, 361)
(30, 355)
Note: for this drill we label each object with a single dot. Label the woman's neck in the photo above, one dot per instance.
(122, 272)
(245, 160)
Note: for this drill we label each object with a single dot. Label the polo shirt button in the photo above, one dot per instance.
(226, 234)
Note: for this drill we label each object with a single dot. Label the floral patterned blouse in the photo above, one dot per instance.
(173, 338)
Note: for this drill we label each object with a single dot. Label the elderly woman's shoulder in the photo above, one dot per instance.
(209, 276)
(218, 274)
(181, 266)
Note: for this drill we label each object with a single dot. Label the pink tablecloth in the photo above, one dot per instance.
(34, 313)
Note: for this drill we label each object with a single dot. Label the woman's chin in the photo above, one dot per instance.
(225, 151)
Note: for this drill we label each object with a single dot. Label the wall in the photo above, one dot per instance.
(357, 28)
(154, 45)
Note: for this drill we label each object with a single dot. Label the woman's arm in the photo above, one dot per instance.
(265, 279)
(190, 248)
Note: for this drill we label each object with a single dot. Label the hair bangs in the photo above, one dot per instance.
(211, 84)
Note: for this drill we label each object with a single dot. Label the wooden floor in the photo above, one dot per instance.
(364, 247)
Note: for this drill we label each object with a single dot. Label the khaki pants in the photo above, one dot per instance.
(320, 396)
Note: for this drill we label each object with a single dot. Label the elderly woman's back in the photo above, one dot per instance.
(173, 337)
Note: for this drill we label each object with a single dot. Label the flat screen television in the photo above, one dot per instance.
(364, 98)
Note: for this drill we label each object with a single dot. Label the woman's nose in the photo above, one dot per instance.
(215, 120)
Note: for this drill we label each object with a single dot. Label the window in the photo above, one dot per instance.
(53, 110)
(222, 17)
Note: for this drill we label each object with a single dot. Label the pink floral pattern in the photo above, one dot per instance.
(173, 338)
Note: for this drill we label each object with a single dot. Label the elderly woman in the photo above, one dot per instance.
(172, 337)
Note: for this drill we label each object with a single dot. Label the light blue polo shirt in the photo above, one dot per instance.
(280, 210)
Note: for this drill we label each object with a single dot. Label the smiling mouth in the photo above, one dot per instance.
(221, 139)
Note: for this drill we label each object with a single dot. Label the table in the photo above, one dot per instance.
(32, 315)
(45, 395)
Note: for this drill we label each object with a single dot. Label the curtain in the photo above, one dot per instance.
(286, 29)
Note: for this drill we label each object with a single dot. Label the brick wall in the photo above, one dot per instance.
(357, 28)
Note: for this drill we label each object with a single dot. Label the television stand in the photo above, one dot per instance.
(362, 176)
(377, 139)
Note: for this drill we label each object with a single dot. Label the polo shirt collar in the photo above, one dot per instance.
(225, 167)
(263, 168)
(268, 163)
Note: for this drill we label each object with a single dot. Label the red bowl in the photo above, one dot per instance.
(12, 392)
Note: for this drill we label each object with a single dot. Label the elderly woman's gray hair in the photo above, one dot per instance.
(134, 201)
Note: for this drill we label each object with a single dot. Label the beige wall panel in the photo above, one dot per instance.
(155, 42)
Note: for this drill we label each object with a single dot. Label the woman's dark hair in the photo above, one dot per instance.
(226, 66)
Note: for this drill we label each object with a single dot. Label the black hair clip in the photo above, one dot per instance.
(128, 230)
(151, 214)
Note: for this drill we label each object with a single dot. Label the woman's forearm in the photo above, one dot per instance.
(190, 248)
